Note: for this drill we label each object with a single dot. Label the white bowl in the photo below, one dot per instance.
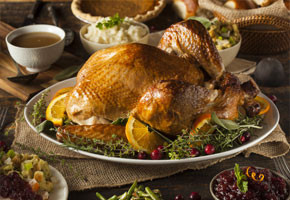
(40, 58)
(92, 47)
(229, 54)
(273, 172)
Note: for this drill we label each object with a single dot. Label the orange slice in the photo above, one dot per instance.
(55, 111)
(202, 123)
(140, 137)
(265, 105)
(62, 91)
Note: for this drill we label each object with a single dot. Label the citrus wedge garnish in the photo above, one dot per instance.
(265, 105)
(62, 91)
(202, 123)
(55, 111)
(140, 137)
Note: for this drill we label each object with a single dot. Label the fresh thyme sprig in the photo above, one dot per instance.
(39, 108)
(113, 21)
(223, 138)
(115, 148)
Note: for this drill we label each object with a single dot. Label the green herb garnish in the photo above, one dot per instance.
(39, 108)
(223, 135)
(204, 21)
(113, 21)
(242, 182)
(10, 153)
(120, 121)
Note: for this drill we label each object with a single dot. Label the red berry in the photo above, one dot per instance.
(160, 148)
(179, 197)
(156, 155)
(209, 149)
(194, 196)
(245, 137)
(273, 98)
(142, 155)
(194, 152)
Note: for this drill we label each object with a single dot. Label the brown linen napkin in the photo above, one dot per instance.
(82, 172)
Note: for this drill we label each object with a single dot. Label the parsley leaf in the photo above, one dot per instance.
(242, 182)
(113, 21)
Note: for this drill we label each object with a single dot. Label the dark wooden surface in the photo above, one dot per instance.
(183, 183)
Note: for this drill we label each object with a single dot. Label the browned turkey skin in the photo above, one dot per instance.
(171, 106)
(117, 80)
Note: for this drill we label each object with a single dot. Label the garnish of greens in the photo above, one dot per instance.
(204, 21)
(113, 21)
(223, 135)
(242, 182)
(39, 108)
(135, 192)
(68, 72)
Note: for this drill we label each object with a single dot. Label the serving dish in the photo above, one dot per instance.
(273, 172)
(60, 191)
(269, 123)
(90, 11)
(92, 47)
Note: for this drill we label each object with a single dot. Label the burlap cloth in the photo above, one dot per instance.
(82, 172)
(277, 9)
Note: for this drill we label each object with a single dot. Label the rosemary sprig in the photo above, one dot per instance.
(39, 108)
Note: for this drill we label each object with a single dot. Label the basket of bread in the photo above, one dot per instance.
(264, 24)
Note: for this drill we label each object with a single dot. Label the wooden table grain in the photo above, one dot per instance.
(183, 183)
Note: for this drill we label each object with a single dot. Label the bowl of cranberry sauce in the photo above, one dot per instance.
(262, 184)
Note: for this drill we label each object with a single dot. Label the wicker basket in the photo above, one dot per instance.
(260, 42)
(261, 33)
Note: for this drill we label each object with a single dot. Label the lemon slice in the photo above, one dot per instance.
(140, 137)
(55, 111)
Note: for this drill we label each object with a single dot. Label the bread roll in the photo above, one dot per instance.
(263, 3)
(240, 4)
(287, 4)
(185, 8)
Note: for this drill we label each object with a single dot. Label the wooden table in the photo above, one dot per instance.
(183, 183)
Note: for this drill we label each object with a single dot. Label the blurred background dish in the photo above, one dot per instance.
(91, 11)
(42, 44)
(94, 38)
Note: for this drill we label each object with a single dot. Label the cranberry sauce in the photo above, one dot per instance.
(14, 187)
(272, 187)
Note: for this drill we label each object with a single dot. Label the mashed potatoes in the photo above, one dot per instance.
(125, 32)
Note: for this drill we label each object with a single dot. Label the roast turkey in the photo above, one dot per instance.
(112, 81)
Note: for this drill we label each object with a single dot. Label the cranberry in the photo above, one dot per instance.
(179, 197)
(209, 149)
(273, 98)
(3, 146)
(245, 137)
(142, 155)
(156, 155)
(194, 196)
(194, 152)
(160, 148)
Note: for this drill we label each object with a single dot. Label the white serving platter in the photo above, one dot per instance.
(269, 123)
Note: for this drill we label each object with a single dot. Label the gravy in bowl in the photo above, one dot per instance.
(35, 39)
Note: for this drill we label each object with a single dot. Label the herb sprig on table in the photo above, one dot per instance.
(113, 21)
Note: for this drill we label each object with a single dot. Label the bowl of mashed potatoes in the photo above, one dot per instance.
(111, 31)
